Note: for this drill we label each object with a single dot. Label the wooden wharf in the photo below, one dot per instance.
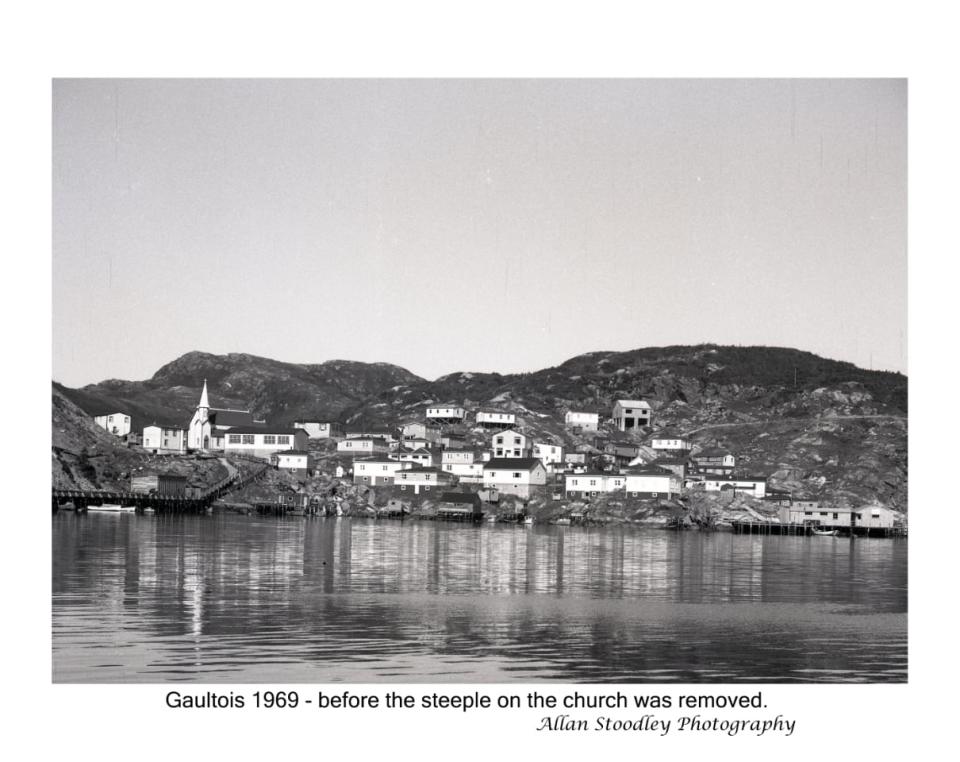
(804, 530)
(198, 502)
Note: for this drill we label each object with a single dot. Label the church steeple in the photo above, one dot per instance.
(204, 402)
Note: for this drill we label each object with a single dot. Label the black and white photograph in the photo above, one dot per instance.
(451, 380)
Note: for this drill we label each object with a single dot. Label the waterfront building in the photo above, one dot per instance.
(459, 505)
(631, 414)
(117, 424)
(168, 485)
(165, 438)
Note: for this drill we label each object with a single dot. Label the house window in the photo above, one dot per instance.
(516, 475)
(269, 439)
(836, 516)
(248, 439)
(233, 438)
(283, 439)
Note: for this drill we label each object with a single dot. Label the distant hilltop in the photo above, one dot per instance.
(757, 379)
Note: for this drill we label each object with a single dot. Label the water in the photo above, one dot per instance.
(244, 599)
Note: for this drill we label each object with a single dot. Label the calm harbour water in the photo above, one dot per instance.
(246, 599)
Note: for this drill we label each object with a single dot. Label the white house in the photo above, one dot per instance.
(363, 446)
(378, 471)
(446, 414)
(756, 486)
(263, 441)
(631, 414)
(414, 443)
(419, 457)
(416, 430)
(165, 438)
(579, 420)
(653, 482)
(298, 462)
(115, 423)
(467, 465)
(714, 460)
(669, 442)
(490, 418)
(419, 479)
(320, 430)
(517, 476)
(593, 484)
(547, 453)
(510, 444)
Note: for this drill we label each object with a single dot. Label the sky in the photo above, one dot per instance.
(474, 225)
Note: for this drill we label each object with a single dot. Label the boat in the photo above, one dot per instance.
(492, 518)
(106, 508)
(528, 520)
(562, 522)
(826, 532)
(128, 509)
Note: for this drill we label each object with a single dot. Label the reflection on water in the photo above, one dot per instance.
(239, 599)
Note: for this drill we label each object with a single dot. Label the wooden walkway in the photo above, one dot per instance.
(199, 502)
(803, 530)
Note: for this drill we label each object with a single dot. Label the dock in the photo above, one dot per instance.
(805, 530)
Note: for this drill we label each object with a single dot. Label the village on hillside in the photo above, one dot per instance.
(471, 463)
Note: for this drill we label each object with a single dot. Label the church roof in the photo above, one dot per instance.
(231, 417)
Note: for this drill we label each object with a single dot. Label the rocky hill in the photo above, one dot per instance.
(819, 427)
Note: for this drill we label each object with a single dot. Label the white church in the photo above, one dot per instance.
(209, 425)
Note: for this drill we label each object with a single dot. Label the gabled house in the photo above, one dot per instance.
(548, 453)
(514, 475)
(631, 414)
(117, 424)
(297, 462)
(363, 446)
(510, 444)
(164, 438)
(419, 479)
